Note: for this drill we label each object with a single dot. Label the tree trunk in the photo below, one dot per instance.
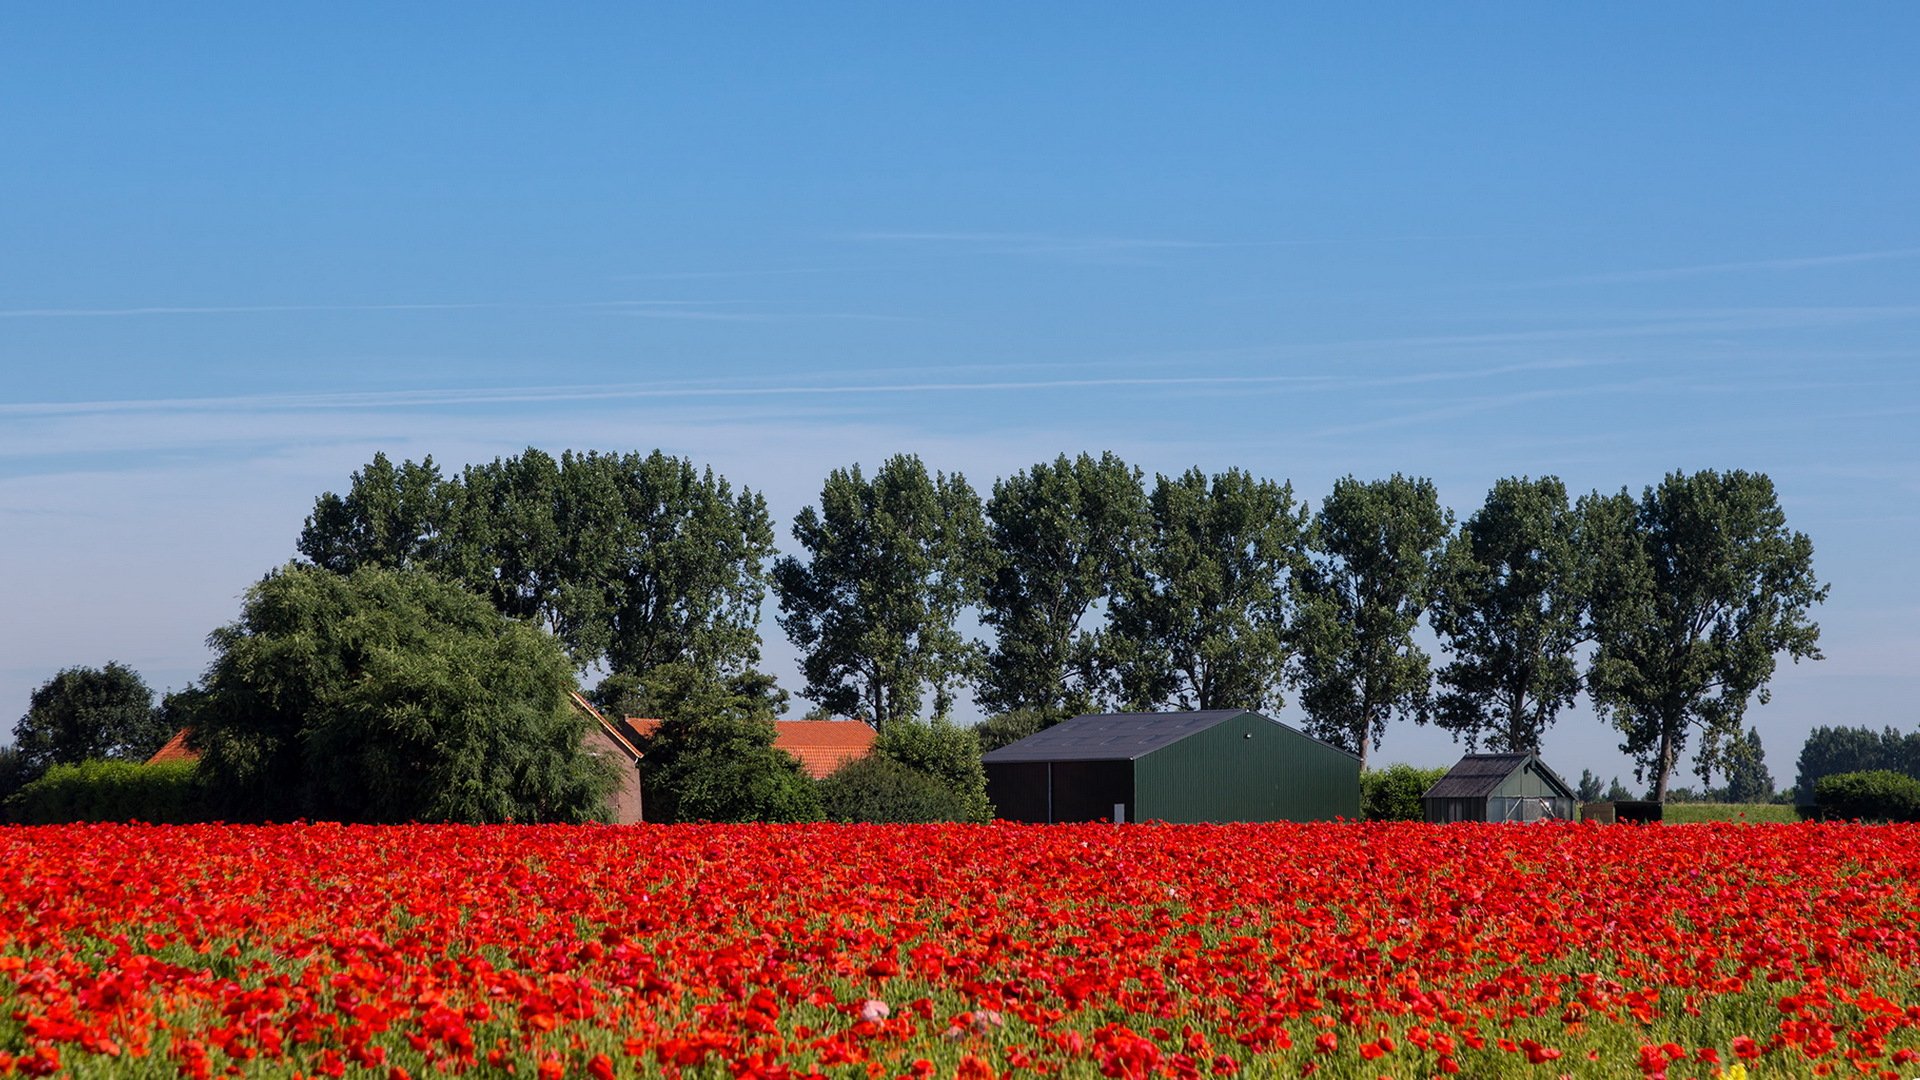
(1666, 762)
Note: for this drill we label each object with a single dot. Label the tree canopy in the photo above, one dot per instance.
(1199, 621)
(390, 696)
(1700, 587)
(890, 562)
(1360, 596)
(84, 713)
(712, 758)
(630, 561)
(1509, 606)
(1060, 535)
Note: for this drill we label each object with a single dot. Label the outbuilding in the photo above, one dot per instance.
(1217, 765)
(1500, 787)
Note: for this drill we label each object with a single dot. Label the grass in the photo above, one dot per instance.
(1693, 813)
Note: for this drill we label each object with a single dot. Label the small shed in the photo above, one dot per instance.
(1500, 787)
(1217, 765)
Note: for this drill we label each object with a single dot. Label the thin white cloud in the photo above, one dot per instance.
(1746, 267)
(1093, 246)
(391, 399)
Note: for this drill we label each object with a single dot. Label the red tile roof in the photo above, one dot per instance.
(175, 750)
(820, 746)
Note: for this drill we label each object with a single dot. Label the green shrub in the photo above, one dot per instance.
(1879, 795)
(878, 789)
(169, 793)
(1007, 728)
(1393, 793)
(949, 754)
(740, 783)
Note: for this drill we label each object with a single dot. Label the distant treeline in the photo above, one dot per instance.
(1101, 588)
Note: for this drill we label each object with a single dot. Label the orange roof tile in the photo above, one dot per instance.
(820, 746)
(175, 750)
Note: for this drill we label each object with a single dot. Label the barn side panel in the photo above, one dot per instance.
(1518, 798)
(1247, 769)
(1018, 790)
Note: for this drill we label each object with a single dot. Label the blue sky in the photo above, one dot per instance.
(243, 247)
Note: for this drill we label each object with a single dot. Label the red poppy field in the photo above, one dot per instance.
(969, 951)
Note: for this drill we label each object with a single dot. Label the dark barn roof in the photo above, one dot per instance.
(1113, 736)
(1478, 775)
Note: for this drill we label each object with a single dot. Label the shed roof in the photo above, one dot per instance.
(1478, 775)
(1116, 736)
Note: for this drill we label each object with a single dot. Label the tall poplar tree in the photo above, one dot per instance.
(890, 562)
(1700, 587)
(1357, 665)
(1509, 606)
(1200, 621)
(1060, 535)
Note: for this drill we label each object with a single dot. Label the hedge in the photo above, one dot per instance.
(164, 794)
(1878, 795)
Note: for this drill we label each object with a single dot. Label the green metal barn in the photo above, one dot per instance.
(1220, 765)
(1500, 787)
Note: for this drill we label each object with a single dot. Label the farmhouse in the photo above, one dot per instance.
(1500, 787)
(1217, 765)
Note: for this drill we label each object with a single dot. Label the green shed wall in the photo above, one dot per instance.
(1246, 769)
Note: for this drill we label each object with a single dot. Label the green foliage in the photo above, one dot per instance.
(1619, 792)
(1373, 548)
(13, 772)
(712, 757)
(1699, 587)
(1748, 780)
(1751, 813)
(1509, 605)
(1201, 621)
(889, 565)
(1879, 795)
(1060, 534)
(879, 789)
(1008, 728)
(631, 561)
(1830, 750)
(1589, 788)
(390, 696)
(945, 752)
(85, 713)
(1393, 793)
(166, 794)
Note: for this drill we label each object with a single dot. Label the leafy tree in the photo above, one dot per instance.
(1748, 780)
(1373, 548)
(392, 516)
(13, 772)
(1061, 534)
(390, 696)
(1509, 606)
(631, 561)
(712, 758)
(1590, 788)
(1007, 728)
(1831, 750)
(1200, 622)
(890, 563)
(1700, 587)
(1617, 792)
(84, 713)
(1393, 793)
(947, 753)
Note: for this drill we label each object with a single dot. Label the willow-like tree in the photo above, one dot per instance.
(873, 607)
(1700, 587)
(1199, 621)
(1373, 548)
(1509, 607)
(390, 696)
(1060, 535)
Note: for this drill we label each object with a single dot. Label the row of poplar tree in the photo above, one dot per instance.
(1098, 588)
